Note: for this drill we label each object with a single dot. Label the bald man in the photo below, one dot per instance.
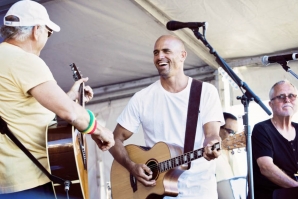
(161, 109)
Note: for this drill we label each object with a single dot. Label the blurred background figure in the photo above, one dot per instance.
(231, 165)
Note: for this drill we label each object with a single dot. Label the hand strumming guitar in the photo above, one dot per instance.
(143, 174)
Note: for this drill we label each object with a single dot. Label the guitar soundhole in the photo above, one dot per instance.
(153, 165)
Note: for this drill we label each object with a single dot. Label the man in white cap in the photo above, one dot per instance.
(30, 98)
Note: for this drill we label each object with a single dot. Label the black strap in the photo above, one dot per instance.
(5, 130)
(192, 116)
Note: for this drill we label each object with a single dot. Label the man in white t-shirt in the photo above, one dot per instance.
(161, 109)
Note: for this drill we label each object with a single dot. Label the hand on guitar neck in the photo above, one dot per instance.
(103, 137)
(74, 93)
(209, 152)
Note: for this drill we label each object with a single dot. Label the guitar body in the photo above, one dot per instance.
(167, 162)
(166, 182)
(66, 161)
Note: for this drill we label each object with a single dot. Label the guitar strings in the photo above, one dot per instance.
(180, 161)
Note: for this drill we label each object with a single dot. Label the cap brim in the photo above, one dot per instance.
(53, 26)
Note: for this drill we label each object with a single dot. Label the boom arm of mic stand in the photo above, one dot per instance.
(231, 73)
(285, 66)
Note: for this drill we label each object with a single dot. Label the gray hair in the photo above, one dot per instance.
(19, 33)
(271, 92)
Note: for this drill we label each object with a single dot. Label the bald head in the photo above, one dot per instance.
(169, 56)
(173, 39)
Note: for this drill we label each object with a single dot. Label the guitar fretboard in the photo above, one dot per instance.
(183, 159)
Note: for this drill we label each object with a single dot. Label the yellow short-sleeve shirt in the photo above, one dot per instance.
(26, 118)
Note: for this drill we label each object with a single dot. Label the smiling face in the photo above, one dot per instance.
(283, 107)
(169, 55)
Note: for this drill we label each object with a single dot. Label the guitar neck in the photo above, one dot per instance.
(184, 158)
(81, 95)
(76, 76)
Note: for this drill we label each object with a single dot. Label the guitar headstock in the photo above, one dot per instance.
(76, 76)
(233, 142)
(76, 73)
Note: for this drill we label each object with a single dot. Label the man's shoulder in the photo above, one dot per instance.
(149, 89)
(263, 123)
(262, 127)
(209, 85)
(208, 88)
(20, 54)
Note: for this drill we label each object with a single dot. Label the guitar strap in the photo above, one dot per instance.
(5, 130)
(192, 116)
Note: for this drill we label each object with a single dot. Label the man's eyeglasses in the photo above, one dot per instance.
(230, 131)
(50, 32)
(282, 97)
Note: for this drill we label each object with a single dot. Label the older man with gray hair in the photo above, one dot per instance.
(30, 98)
(275, 144)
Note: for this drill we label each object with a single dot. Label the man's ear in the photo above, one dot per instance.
(270, 104)
(36, 32)
(183, 55)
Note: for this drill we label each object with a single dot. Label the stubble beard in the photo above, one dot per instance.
(164, 73)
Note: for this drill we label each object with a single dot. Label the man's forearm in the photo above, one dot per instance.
(277, 176)
(120, 154)
(211, 132)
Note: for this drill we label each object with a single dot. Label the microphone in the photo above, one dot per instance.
(175, 25)
(266, 60)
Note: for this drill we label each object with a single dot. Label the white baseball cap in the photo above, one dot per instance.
(30, 13)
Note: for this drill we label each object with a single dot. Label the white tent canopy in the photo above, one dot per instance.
(112, 41)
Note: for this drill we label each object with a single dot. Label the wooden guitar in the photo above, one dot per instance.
(67, 153)
(167, 163)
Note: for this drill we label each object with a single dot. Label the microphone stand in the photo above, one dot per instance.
(285, 66)
(245, 99)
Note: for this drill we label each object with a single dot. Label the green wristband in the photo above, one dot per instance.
(91, 122)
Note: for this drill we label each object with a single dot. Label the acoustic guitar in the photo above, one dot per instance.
(167, 163)
(67, 153)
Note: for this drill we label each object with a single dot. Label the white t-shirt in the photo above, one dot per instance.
(163, 118)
